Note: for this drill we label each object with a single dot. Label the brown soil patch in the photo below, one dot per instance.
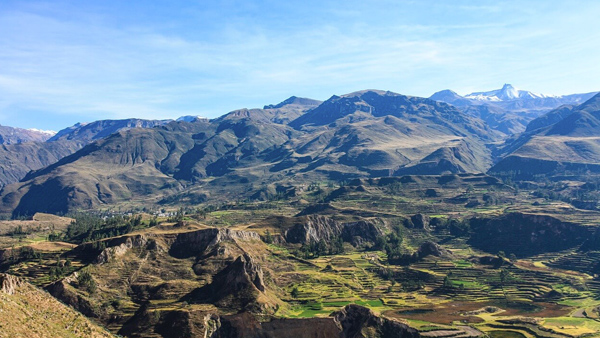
(447, 313)
(546, 310)
(52, 246)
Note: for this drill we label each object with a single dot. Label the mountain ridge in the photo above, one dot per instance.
(365, 133)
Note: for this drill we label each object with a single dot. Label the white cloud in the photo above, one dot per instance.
(85, 64)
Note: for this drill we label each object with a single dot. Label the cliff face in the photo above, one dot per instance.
(115, 251)
(201, 242)
(240, 285)
(9, 284)
(526, 234)
(314, 228)
(359, 232)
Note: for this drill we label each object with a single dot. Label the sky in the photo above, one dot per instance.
(63, 62)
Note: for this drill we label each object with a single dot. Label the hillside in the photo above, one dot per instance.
(408, 256)
(33, 313)
(368, 133)
(16, 160)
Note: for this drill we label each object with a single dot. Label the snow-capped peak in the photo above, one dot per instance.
(507, 93)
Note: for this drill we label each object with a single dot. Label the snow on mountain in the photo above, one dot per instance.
(191, 118)
(507, 93)
(47, 132)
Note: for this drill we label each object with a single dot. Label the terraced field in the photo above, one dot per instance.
(460, 290)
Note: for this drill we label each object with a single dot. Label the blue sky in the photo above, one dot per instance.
(63, 62)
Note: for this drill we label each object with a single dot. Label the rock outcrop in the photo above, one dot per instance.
(201, 242)
(314, 228)
(358, 322)
(118, 250)
(360, 232)
(238, 286)
(420, 221)
(9, 283)
(65, 293)
(428, 248)
(432, 249)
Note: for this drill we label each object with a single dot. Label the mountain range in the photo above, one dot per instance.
(11, 135)
(25, 150)
(570, 144)
(257, 153)
(508, 109)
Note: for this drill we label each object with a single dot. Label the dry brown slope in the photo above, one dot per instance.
(31, 313)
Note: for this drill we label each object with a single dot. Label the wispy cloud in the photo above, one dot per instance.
(84, 63)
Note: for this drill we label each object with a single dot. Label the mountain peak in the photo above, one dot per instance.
(191, 118)
(302, 101)
(508, 92)
(450, 96)
(366, 91)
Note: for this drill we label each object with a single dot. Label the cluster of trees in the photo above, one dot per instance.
(321, 248)
(18, 231)
(60, 269)
(90, 227)
(583, 197)
(391, 244)
(21, 254)
(85, 281)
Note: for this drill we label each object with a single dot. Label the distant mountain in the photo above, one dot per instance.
(190, 118)
(572, 144)
(295, 101)
(85, 133)
(17, 158)
(11, 135)
(508, 110)
(506, 93)
(362, 134)
(511, 98)
(451, 97)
